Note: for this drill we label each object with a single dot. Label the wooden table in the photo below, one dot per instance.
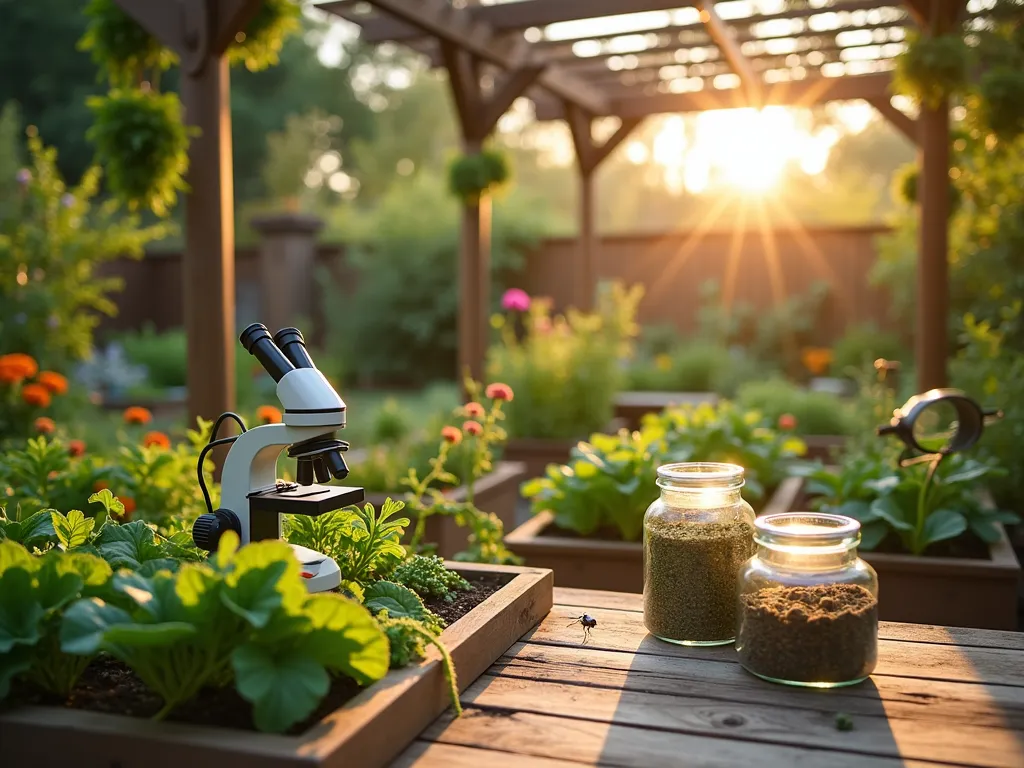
(939, 697)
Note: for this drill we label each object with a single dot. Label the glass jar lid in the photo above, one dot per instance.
(700, 474)
(797, 531)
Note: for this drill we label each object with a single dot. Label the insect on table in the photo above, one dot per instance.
(588, 623)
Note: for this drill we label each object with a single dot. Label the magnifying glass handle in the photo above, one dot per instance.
(885, 429)
(990, 417)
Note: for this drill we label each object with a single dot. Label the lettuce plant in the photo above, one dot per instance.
(244, 615)
(33, 593)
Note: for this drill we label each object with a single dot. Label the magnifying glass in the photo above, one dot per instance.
(939, 422)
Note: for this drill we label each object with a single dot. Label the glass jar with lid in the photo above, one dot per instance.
(808, 605)
(696, 537)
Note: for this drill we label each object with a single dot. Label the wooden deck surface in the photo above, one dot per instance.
(939, 697)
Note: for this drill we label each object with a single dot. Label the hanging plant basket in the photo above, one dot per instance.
(142, 143)
(120, 46)
(906, 187)
(1001, 102)
(933, 68)
(259, 45)
(470, 177)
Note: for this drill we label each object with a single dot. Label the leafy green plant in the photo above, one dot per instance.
(33, 594)
(365, 544)
(812, 413)
(920, 505)
(695, 366)
(608, 484)
(259, 45)
(566, 369)
(427, 576)
(245, 615)
(120, 46)
(470, 177)
(44, 475)
(933, 67)
(52, 239)
(391, 422)
(142, 143)
(861, 345)
(727, 433)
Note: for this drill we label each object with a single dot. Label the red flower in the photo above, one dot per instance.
(129, 507)
(36, 394)
(100, 485)
(499, 391)
(158, 439)
(44, 426)
(451, 435)
(76, 448)
(473, 410)
(53, 381)
(472, 428)
(787, 422)
(268, 414)
(137, 415)
(16, 367)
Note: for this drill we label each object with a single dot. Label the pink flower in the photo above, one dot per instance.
(499, 391)
(24, 176)
(451, 435)
(516, 300)
(472, 428)
(473, 410)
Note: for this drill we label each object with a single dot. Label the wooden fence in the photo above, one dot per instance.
(761, 270)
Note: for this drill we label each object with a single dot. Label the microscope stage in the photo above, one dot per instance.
(309, 500)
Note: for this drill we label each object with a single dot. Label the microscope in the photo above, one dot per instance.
(252, 497)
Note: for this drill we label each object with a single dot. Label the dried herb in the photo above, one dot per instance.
(690, 578)
(820, 634)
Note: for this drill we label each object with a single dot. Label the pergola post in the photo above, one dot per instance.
(199, 31)
(932, 326)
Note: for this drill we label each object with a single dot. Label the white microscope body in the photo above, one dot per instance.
(252, 497)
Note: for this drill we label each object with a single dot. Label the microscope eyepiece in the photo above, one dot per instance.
(291, 343)
(258, 343)
(336, 464)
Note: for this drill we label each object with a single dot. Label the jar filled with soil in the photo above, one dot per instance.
(696, 537)
(808, 605)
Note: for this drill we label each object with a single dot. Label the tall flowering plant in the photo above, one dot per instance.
(480, 432)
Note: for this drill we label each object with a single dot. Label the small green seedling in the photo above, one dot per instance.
(844, 722)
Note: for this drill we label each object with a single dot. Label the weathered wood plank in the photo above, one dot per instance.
(968, 703)
(624, 631)
(876, 734)
(569, 599)
(427, 754)
(622, 745)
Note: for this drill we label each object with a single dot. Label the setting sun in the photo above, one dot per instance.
(743, 149)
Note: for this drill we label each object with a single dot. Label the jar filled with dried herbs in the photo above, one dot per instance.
(696, 537)
(808, 605)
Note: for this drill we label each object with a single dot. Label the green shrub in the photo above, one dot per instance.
(816, 413)
(566, 370)
(697, 366)
(861, 345)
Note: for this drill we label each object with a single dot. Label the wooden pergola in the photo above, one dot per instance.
(633, 58)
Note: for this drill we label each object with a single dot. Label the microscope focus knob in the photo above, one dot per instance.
(208, 528)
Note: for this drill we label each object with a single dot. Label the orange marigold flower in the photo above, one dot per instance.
(473, 410)
(44, 425)
(22, 364)
(76, 448)
(816, 359)
(36, 394)
(787, 422)
(53, 381)
(499, 391)
(137, 415)
(10, 374)
(100, 485)
(268, 414)
(472, 428)
(452, 435)
(158, 439)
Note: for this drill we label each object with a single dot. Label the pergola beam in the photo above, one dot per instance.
(730, 49)
(797, 93)
(901, 121)
(458, 27)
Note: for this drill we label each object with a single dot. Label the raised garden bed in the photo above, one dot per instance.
(823, 447)
(950, 591)
(497, 492)
(535, 453)
(368, 729)
(631, 407)
(585, 563)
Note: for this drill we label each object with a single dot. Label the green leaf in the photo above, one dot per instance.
(283, 688)
(72, 531)
(397, 600)
(34, 531)
(13, 663)
(972, 471)
(148, 635)
(20, 611)
(943, 524)
(872, 534)
(112, 506)
(86, 622)
(985, 529)
(887, 509)
(56, 586)
(128, 546)
(264, 576)
(14, 555)
(345, 638)
(858, 510)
